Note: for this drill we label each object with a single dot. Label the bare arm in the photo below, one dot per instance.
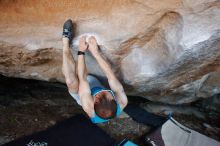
(84, 89)
(117, 87)
(105, 66)
(114, 84)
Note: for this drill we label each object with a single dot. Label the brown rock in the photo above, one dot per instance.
(166, 51)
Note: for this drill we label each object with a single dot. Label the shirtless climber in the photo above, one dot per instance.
(99, 103)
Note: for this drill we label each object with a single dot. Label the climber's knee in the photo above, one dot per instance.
(73, 85)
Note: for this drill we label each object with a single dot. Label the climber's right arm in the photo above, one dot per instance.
(114, 84)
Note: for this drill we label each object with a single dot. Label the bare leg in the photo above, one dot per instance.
(69, 68)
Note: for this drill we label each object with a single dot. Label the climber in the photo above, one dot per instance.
(99, 103)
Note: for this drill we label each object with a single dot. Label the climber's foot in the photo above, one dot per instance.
(67, 30)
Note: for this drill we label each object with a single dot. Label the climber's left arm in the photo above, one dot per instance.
(84, 89)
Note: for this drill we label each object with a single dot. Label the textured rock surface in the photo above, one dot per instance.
(166, 51)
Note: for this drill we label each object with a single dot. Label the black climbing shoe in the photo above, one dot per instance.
(67, 29)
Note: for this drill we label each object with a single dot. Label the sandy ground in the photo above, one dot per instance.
(28, 106)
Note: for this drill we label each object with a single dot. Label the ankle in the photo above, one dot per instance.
(65, 41)
(66, 50)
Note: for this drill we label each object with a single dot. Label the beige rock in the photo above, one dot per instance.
(166, 51)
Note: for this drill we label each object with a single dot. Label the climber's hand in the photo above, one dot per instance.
(93, 47)
(83, 45)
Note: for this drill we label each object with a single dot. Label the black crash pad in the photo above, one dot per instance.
(75, 131)
(140, 115)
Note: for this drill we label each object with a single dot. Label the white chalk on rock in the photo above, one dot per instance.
(88, 35)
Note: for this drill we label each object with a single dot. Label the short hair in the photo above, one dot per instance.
(105, 108)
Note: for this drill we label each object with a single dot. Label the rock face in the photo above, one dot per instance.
(167, 51)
